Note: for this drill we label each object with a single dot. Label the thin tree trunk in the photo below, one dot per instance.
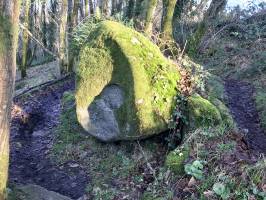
(44, 24)
(130, 9)
(105, 7)
(151, 6)
(114, 7)
(9, 16)
(63, 6)
(167, 24)
(81, 9)
(25, 40)
(91, 7)
(72, 24)
(211, 14)
(75, 13)
(86, 2)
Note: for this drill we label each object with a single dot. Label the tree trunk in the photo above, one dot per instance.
(91, 7)
(211, 15)
(44, 24)
(25, 40)
(72, 24)
(130, 9)
(86, 3)
(114, 7)
(105, 7)
(9, 16)
(63, 6)
(167, 24)
(151, 6)
(81, 9)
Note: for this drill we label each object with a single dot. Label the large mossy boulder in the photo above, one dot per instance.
(125, 86)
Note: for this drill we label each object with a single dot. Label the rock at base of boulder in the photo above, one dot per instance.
(102, 113)
(35, 192)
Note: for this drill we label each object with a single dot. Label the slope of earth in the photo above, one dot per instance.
(236, 52)
(33, 118)
(242, 105)
(36, 76)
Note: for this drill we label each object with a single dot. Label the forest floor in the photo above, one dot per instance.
(36, 115)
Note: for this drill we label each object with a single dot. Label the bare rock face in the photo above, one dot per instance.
(103, 123)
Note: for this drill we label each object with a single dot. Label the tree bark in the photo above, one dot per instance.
(86, 3)
(63, 6)
(105, 7)
(44, 24)
(25, 40)
(211, 14)
(167, 24)
(9, 16)
(151, 6)
(130, 9)
(72, 24)
(91, 7)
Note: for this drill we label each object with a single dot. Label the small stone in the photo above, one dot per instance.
(192, 182)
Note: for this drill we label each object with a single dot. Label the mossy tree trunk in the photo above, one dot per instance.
(86, 4)
(167, 22)
(151, 6)
(211, 15)
(63, 6)
(9, 19)
(25, 39)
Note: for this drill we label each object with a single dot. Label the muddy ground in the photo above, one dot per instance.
(34, 118)
(242, 105)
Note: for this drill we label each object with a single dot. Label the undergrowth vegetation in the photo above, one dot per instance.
(211, 163)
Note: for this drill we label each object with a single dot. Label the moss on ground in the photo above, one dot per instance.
(175, 160)
(115, 54)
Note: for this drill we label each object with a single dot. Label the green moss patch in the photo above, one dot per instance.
(175, 160)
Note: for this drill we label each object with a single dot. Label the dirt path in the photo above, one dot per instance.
(242, 106)
(33, 121)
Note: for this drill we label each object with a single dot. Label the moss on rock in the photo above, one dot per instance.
(117, 55)
(202, 113)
